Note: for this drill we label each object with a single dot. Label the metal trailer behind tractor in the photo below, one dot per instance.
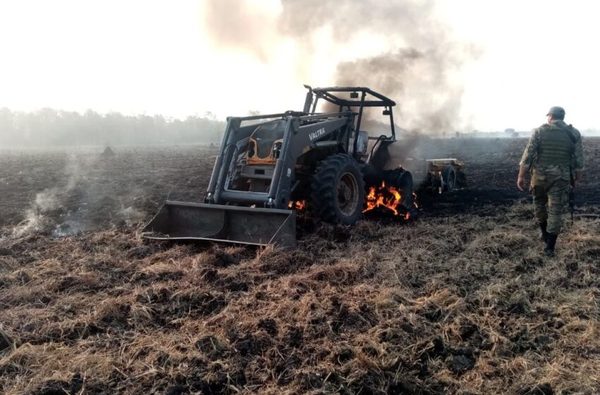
(267, 163)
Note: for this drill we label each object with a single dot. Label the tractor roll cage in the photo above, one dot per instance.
(329, 94)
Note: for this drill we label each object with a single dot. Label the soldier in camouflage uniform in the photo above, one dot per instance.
(554, 155)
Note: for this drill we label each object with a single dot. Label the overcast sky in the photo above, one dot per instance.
(161, 57)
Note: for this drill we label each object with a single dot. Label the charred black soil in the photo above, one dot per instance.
(460, 300)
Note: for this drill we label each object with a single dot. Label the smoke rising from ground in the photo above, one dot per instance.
(83, 199)
(49, 200)
(417, 66)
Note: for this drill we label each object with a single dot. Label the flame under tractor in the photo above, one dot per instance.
(267, 163)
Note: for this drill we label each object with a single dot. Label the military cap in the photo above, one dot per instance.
(557, 112)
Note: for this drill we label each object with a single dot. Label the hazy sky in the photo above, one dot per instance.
(159, 56)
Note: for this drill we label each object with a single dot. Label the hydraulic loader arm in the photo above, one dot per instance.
(300, 134)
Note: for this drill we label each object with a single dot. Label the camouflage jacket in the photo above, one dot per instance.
(552, 153)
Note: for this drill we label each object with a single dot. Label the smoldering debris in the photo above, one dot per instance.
(38, 217)
(83, 198)
(131, 215)
(35, 220)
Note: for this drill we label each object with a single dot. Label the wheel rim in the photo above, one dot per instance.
(347, 194)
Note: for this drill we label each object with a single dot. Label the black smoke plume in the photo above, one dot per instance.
(419, 66)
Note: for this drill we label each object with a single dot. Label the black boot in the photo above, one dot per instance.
(544, 235)
(550, 244)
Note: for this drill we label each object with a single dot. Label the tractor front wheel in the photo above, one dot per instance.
(338, 190)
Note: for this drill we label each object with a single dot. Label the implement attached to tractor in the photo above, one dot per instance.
(267, 163)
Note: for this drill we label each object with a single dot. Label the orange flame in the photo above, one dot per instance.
(299, 205)
(387, 197)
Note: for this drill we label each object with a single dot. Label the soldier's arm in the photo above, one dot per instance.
(527, 159)
(529, 153)
(521, 177)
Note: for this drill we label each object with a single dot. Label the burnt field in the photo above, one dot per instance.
(459, 301)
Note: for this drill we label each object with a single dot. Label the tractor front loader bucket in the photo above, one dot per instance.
(221, 223)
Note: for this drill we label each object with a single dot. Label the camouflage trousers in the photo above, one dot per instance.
(550, 200)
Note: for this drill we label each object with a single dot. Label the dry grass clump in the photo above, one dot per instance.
(443, 305)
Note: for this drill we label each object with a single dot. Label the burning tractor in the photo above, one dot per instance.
(269, 166)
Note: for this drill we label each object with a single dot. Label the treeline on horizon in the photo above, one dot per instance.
(49, 127)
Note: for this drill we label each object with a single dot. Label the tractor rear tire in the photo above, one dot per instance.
(403, 181)
(338, 190)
